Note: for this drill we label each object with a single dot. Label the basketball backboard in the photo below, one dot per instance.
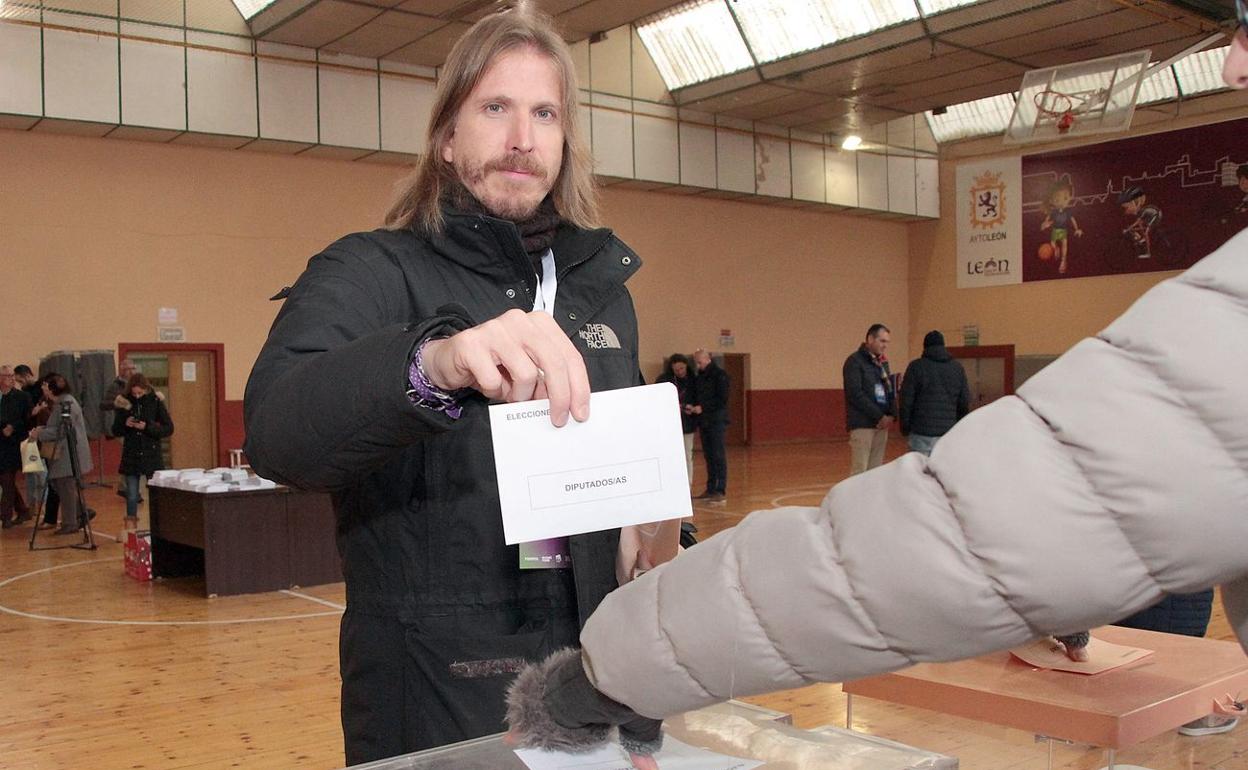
(1088, 97)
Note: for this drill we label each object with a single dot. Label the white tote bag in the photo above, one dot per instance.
(31, 461)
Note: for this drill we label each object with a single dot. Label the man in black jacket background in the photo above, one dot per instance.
(934, 395)
(711, 406)
(870, 400)
(14, 412)
(491, 282)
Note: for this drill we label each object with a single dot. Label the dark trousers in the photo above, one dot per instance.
(51, 506)
(409, 685)
(716, 456)
(10, 499)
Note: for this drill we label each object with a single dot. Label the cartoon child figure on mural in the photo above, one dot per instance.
(1140, 232)
(1059, 220)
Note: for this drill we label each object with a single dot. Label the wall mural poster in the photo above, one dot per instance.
(1159, 202)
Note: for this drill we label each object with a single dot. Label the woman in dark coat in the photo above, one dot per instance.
(142, 420)
(678, 371)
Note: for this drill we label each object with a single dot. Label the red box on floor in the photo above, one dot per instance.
(138, 555)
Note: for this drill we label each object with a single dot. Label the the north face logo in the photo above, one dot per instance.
(599, 337)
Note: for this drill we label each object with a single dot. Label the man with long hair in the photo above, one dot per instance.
(491, 281)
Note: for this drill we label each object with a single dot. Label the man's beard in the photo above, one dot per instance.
(514, 208)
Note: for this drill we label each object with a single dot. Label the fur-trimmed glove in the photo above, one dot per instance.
(122, 403)
(552, 706)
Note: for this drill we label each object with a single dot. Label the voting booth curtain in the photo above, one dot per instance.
(89, 373)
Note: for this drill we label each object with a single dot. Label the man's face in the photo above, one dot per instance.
(126, 369)
(507, 147)
(6, 380)
(702, 360)
(878, 343)
(1243, 184)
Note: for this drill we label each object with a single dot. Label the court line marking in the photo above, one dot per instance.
(311, 598)
(104, 622)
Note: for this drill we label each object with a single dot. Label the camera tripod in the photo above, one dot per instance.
(85, 514)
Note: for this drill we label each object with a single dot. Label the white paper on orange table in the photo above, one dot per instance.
(675, 755)
(1102, 656)
(624, 465)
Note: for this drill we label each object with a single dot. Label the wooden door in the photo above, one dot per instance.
(193, 407)
(738, 367)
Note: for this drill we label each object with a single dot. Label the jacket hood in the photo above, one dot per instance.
(937, 353)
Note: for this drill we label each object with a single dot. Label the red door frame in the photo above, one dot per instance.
(218, 356)
(990, 351)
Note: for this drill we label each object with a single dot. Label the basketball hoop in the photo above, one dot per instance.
(1057, 107)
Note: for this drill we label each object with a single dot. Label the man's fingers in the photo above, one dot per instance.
(478, 363)
(570, 362)
(519, 365)
(515, 357)
(567, 384)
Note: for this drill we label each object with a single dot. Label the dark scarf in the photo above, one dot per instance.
(537, 233)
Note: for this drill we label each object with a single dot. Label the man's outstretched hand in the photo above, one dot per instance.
(517, 356)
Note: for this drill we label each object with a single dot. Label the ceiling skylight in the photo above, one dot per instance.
(1159, 87)
(250, 8)
(936, 6)
(779, 28)
(1201, 72)
(982, 117)
(694, 42)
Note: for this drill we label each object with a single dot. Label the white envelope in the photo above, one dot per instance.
(624, 465)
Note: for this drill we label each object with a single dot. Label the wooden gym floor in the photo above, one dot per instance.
(99, 671)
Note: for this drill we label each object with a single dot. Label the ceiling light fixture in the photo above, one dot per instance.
(851, 142)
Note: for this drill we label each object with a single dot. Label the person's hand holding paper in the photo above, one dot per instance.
(623, 467)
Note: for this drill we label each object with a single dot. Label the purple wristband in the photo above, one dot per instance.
(424, 393)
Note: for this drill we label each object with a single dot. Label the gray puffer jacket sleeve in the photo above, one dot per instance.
(1117, 474)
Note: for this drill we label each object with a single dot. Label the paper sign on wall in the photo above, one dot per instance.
(188, 371)
(170, 333)
(989, 223)
(167, 316)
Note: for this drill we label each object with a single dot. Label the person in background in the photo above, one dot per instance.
(870, 403)
(39, 415)
(711, 386)
(934, 395)
(108, 406)
(36, 483)
(677, 371)
(14, 414)
(141, 420)
(61, 472)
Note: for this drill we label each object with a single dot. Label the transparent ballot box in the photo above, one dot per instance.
(734, 729)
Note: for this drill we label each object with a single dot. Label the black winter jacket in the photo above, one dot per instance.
(15, 409)
(416, 497)
(934, 393)
(711, 387)
(140, 449)
(861, 375)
